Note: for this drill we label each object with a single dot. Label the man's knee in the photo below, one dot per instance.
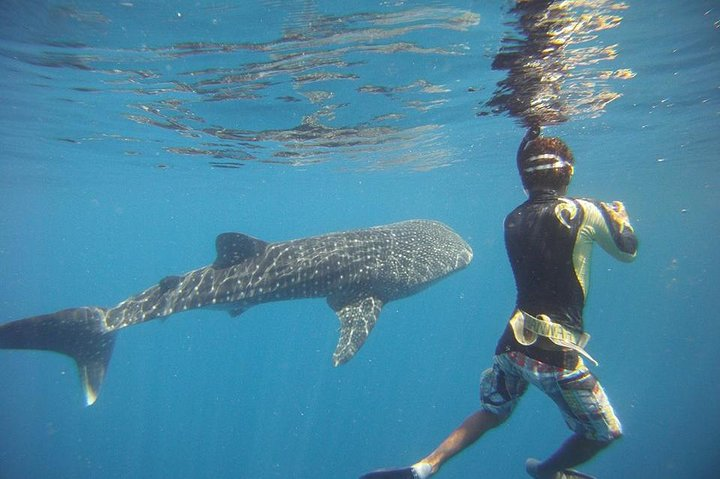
(593, 446)
(494, 417)
(604, 438)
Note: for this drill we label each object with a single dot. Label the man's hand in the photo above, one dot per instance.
(617, 213)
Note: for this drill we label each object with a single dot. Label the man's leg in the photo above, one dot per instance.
(588, 412)
(575, 451)
(469, 431)
(500, 390)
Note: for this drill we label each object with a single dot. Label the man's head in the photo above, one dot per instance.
(545, 164)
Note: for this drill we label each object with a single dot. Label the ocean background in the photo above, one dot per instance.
(134, 132)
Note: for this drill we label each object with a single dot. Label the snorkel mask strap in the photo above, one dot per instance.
(559, 162)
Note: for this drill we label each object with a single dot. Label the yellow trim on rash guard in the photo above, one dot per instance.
(565, 206)
(593, 228)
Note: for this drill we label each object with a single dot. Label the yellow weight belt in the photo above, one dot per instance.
(527, 328)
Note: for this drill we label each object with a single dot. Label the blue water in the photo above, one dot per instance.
(132, 133)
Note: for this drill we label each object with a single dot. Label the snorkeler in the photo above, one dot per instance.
(549, 239)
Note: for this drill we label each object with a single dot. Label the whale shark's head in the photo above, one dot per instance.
(453, 251)
(427, 251)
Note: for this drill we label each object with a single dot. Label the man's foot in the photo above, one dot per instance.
(532, 467)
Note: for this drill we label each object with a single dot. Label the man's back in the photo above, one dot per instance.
(540, 238)
(549, 243)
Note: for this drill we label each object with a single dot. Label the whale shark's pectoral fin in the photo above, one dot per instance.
(234, 248)
(234, 313)
(357, 319)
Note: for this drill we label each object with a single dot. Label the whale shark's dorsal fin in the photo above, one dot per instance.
(357, 319)
(234, 248)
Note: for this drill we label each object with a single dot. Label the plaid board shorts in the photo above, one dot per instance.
(578, 394)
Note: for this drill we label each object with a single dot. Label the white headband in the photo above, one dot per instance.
(558, 163)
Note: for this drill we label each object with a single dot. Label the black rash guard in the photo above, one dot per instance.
(549, 243)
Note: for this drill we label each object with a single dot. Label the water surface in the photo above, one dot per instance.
(132, 133)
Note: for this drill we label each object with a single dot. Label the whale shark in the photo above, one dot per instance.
(358, 272)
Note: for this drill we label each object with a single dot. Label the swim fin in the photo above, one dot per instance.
(403, 473)
(572, 474)
(532, 464)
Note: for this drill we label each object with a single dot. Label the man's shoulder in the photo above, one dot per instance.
(582, 199)
(587, 204)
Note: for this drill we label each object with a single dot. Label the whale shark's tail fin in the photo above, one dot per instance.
(79, 333)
